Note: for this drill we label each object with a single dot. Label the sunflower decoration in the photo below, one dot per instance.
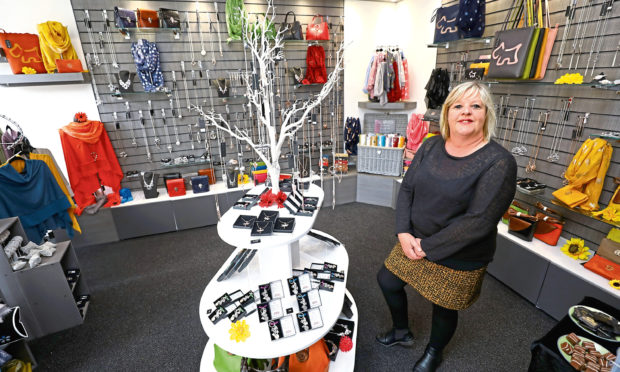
(615, 283)
(575, 248)
(28, 70)
(239, 331)
(80, 117)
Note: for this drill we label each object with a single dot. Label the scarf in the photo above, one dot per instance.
(146, 57)
(89, 131)
(55, 44)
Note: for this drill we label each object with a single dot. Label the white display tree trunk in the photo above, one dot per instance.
(260, 96)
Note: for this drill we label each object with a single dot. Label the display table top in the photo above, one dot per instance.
(241, 237)
(259, 344)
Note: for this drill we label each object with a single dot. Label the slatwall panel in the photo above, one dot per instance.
(603, 105)
(171, 53)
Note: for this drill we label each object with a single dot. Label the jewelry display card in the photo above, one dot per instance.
(304, 213)
(284, 225)
(220, 313)
(299, 284)
(271, 291)
(268, 216)
(310, 319)
(281, 328)
(244, 222)
(311, 200)
(308, 300)
(270, 310)
(243, 205)
(330, 266)
(261, 228)
(241, 312)
(309, 207)
(337, 276)
(247, 298)
(326, 285)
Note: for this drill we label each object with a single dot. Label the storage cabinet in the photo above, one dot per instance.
(46, 299)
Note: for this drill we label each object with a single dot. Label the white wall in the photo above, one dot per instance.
(42, 110)
(368, 24)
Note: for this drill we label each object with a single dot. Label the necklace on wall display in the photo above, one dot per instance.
(125, 84)
(150, 184)
(224, 89)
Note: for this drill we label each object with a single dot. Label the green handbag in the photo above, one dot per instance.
(223, 361)
(517, 207)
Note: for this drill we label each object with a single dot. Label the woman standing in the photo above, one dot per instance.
(450, 201)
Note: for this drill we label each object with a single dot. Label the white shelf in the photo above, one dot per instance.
(555, 256)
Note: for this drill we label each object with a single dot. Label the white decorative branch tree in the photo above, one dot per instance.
(259, 39)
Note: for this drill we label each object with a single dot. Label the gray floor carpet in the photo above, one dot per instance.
(145, 292)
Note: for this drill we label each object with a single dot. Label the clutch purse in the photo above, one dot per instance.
(200, 184)
(69, 65)
(522, 226)
(610, 250)
(176, 187)
(124, 18)
(516, 207)
(209, 172)
(548, 229)
(603, 267)
(171, 176)
(147, 18)
(22, 50)
(474, 73)
(169, 18)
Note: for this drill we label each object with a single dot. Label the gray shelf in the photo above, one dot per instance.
(44, 79)
(390, 106)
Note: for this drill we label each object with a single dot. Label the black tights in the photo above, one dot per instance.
(444, 320)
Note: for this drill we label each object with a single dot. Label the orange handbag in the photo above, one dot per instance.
(147, 18)
(548, 229)
(22, 50)
(313, 359)
(69, 65)
(209, 172)
(603, 267)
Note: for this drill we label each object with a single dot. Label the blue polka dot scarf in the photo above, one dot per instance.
(146, 56)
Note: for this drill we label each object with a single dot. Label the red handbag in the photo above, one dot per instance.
(176, 187)
(318, 31)
(22, 50)
(603, 267)
(548, 229)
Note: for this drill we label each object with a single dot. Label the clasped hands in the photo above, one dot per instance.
(411, 246)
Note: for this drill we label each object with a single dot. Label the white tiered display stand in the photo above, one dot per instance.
(278, 254)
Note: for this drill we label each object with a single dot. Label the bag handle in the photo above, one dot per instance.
(286, 17)
(314, 17)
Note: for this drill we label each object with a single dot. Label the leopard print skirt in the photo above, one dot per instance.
(446, 287)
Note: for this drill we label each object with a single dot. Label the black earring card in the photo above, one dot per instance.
(247, 298)
(299, 284)
(304, 213)
(220, 313)
(268, 215)
(270, 310)
(223, 300)
(326, 285)
(337, 276)
(311, 319)
(271, 291)
(308, 300)
(244, 222)
(281, 328)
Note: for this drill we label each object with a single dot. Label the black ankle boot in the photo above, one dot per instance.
(430, 361)
(389, 338)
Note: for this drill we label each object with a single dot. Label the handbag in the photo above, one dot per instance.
(313, 359)
(546, 54)
(176, 187)
(223, 361)
(610, 250)
(603, 267)
(318, 31)
(291, 31)
(22, 50)
(446, 28)
(69, 65)
(170, 176)
(209, 172)
(169, 18)
(522, 225)
(515, 206)
(548, 229)
(124, 18)
(200, 184)
(474, 73)
(511, 49)
(147, 18)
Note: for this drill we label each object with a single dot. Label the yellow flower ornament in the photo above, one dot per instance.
(576, 249)
(28, 70)
(239, 331)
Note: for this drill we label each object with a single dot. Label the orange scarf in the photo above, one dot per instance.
(89, 131)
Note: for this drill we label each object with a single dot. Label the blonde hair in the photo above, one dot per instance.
(461, 91)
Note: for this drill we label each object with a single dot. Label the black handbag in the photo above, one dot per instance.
(169, 18)
(474, 73)
(291, 31)
(124, 18)
(149, 184)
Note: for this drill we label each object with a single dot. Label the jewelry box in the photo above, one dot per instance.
(262, 228)
(311, 319)
(281, 328)
(270, 310)
(244, 222)
(245, 205)
(284, 225)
